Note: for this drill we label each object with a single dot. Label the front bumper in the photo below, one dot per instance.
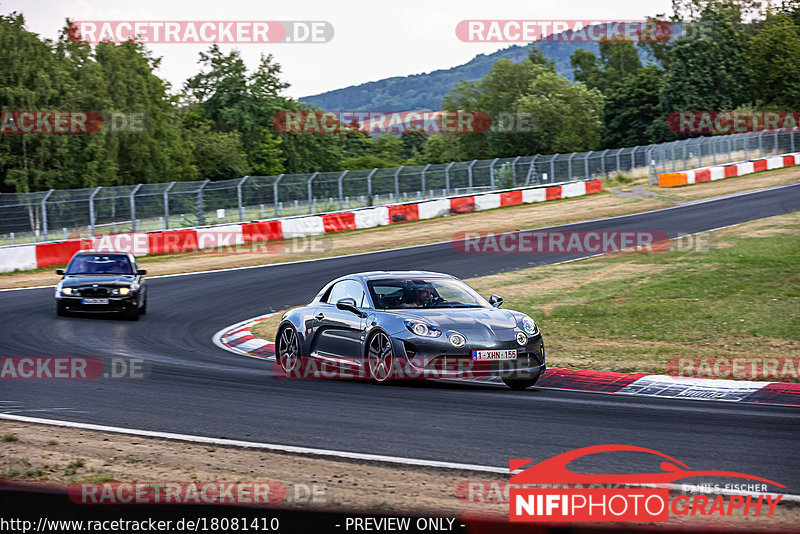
(115, 304)
(434, 359)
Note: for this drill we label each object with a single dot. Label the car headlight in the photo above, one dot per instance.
(121, 291)
(421, 329)
(529, 326)
(66, 290)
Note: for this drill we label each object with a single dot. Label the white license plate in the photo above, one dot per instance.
(489, 355)
(95, 301)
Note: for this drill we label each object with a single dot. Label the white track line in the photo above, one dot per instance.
(257, 445)
(399, 460)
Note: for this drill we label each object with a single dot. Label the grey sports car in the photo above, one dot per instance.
(410, 324)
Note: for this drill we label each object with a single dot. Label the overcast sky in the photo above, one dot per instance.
(373, 39)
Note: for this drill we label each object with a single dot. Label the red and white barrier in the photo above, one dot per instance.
(25, 257)
(718, 172)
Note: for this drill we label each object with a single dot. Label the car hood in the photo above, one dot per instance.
(81, 280)
(472, 322)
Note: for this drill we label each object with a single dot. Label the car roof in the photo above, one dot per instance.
(86, 252)
(368, 275)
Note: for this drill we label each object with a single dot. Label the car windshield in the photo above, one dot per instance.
(100, 264)
(401, 293)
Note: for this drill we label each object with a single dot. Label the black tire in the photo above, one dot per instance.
(380, 359)
(61, 310)
(143, 309)
(518, 384)
(287, 350)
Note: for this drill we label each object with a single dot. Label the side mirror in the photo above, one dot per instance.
(495, 301)
(141, 271)
(60, 271)
(348, 304)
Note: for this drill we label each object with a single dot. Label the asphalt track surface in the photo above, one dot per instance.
(194, 387)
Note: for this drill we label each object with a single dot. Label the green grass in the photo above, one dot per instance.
(10, 437)
(633, 312)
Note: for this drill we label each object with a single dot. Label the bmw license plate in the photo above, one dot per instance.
(490, 355)
(95, 301)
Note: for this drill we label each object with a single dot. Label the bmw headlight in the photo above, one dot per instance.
(66, 290)
(421, 329)
(529, 326)
(124, 290)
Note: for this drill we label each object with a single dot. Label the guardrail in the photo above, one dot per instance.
(46, 215)
(33, 256)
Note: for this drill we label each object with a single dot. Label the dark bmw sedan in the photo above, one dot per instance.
(102, 282)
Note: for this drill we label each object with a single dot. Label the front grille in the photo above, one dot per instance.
(95, 292)
(465, 363)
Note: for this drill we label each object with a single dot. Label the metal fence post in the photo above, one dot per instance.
(672, 149)
(44, 212)
(553, 168)
(166, 205)
(198, 204)
(91, 211)
(514, 169)
(491, 173)
(713, 152)
(603, 162)
(275, 193)
(341, 191)
(239, 185)
(133, 206)
(791, 136)
(586, 163)
(531, 168)
(423, 179)
(617, 154)
(310, 198)
(469, 174)
(397, 182)
(569, 165)
(447, 177)
(369, 182)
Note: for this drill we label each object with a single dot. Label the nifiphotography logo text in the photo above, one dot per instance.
(549, 491)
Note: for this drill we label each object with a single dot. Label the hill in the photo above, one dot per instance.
(425, 91)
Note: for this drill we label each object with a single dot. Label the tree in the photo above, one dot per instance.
(709, 72)
(543, 112)
(773, 55)
(389, 148)
(617, 58)
(631, 107)
(237, 102)
(564, 117)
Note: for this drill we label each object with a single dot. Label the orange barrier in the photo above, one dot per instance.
(671, 179)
